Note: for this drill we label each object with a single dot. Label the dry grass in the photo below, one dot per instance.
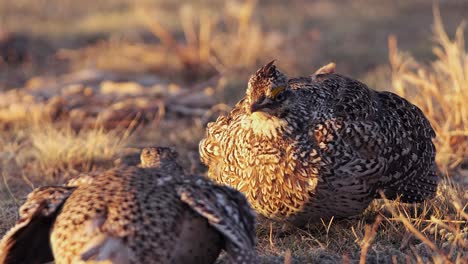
(230, 39)
(48, 153)
(211, 43)
(388, 232)
(440, 90)
(439, 224)
(63, 148)
(16, 115)
(43, 153)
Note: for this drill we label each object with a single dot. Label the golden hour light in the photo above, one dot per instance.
(237, 131)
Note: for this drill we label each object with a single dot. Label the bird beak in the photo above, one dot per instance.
(255, 107)
(260, 105)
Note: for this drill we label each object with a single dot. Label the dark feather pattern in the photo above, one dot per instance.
(325, 148)
(152, 213)
(28, 241)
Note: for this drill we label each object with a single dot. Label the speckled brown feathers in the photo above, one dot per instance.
(323, 146)
(162, 158)
(27, 241)
(142, 214)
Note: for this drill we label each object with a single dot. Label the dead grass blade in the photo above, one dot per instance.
(439, 90)
(370, 233)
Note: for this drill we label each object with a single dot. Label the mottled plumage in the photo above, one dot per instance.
(313, 147)
(160, 157)
(133, 214)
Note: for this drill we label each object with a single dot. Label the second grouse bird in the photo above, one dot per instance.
(314, 147)
(147, 214)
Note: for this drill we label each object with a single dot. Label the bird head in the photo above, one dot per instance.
(267, 90)
(156, 157)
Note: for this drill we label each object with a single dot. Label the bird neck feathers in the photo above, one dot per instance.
(263, 124)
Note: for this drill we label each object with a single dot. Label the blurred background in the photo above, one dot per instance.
(204, 38)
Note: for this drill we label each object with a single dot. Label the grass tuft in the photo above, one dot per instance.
(232, 39)
(63, 148)
(439, 89)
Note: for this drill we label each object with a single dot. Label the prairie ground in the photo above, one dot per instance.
(84, 83)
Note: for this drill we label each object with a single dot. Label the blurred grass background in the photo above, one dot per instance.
(309, 33)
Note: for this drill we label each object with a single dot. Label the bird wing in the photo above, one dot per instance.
(226, 209)
(363, 145)
(354, 100)
(392, 146)
(28, 240)
(411, 170)
(357, 133)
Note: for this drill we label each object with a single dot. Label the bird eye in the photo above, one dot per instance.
(280, 97)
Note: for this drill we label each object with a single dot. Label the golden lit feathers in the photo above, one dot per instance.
(133, 214)
(323, 146)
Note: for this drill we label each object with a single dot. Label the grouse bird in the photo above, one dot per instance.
(130, 214)
(325, 145)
